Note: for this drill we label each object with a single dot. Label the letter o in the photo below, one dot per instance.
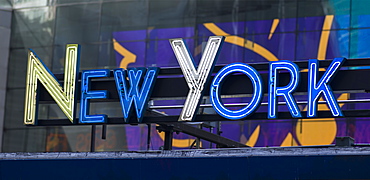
(216, 88)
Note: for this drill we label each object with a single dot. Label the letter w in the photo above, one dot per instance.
(64, 97)
(129, 94)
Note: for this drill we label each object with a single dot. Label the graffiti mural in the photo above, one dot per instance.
(252, 42)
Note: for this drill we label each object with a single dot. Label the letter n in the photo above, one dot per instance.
(64, 96)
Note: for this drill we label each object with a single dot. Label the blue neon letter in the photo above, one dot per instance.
(315, 89)
(285, 91)
(216, 87)
(132, 93)
(86, 95)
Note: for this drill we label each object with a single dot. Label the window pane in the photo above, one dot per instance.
(77, 24)
(17, 65)
(171, 13)
(123, 16)
(33, 27)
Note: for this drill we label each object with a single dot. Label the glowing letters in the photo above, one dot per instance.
(315, 89)
(196, 78)
(128, 95)
(216, 85)
(86, 95)
(285, 91)
(134, 89)
(64, 97)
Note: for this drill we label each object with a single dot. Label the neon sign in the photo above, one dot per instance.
(134, 86)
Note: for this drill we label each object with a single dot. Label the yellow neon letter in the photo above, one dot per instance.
(64, 97)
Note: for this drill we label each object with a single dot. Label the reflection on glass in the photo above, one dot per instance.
(77, 24)
(123, 16)
(33, 27)
(175, 13)
(31, 3)
(360, 39)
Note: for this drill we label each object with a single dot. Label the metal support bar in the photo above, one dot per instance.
(179, 106)
(208, 118)
(92, 143)
(104, 132)
(176, 86)
(202, 134)
(344, 141)
(168, 136)
(148, 138)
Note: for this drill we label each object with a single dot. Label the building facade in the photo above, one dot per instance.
(125, 34)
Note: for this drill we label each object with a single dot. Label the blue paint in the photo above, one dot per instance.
(237, 167)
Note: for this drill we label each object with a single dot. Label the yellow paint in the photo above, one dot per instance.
(198, 50)
(253, 138)
(273, 27)
(321, 54)
(180, 143)
(321, 131)
(128, 57)
(289, 141)
(241, 42)
(306, 70)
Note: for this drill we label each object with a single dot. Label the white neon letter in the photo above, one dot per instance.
(196, 78)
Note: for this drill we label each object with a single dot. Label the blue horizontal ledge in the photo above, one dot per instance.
(244, 163)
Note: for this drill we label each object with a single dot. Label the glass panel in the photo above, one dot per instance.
(17, 66)
(270, 26)
(232, 12)
(232, 50)
(314, 8)
(328, 22)
(14, 110)
(159, 53)
(309, 47)
(360, 41)
(77, 24)
(130, 54)
(267, 10)
(338, 45)
(5, 19)
(72, 138)
(360, 14)
(171, 13)
(312, 15)
(123, 16)
(89, 55)
(33, 27)
(342, 13)
(24, 140)
(211, 29)
(17, 4)
(64, 2)
(266, 47)
(5, 4)
(107, 56)
(220, 11)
